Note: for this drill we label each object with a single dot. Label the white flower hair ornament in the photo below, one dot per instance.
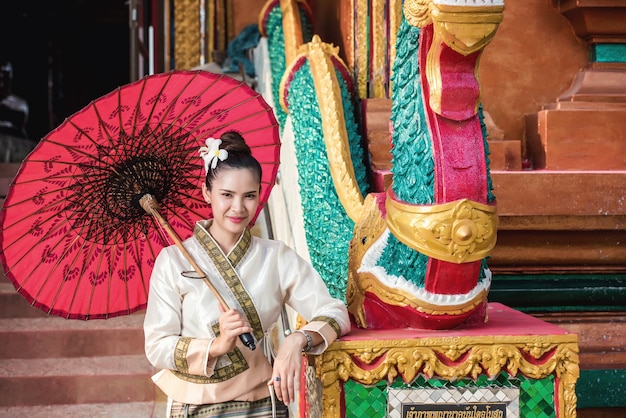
(212, 153)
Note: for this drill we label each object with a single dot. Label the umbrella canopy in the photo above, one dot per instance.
(75, 241)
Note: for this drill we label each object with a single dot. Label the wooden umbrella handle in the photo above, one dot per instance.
(150, 205)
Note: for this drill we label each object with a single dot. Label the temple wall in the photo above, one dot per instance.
(531, 61)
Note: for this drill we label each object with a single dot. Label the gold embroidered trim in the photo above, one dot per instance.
(240, 250)
(330, 321)
(238, 365)
(457, 232)
(180, 354)
(226, 268)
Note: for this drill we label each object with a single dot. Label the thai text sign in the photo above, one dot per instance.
(462, 402)
(482, 410)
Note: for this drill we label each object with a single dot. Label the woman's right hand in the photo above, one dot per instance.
(232, 324)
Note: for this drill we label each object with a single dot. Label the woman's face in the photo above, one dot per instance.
(234, 198)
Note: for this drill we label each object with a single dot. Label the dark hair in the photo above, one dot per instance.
(239, 156)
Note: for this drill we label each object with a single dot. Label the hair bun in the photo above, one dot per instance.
(233, 142)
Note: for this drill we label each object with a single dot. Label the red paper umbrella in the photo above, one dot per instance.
(75, 240)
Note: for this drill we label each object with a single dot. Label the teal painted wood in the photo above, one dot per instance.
(608, 53)
(601, 389)
(560, 293)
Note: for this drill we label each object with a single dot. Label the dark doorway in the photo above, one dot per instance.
(64, 53)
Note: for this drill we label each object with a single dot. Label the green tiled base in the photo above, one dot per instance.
(536, 396)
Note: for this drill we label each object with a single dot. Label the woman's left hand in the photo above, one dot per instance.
(287, 368)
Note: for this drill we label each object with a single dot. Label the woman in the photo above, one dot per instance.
(207, 371)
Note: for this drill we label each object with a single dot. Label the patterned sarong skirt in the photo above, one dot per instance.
(233, 409)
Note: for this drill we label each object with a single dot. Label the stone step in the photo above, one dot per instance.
(98, 410)
(55, 367)
(14, 305)
(77, 380)
(55, 337)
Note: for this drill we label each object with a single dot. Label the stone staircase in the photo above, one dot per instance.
(53, 367)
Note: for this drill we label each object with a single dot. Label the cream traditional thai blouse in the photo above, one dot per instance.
(257, 278)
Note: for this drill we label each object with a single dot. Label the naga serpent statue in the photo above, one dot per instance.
(416, 257)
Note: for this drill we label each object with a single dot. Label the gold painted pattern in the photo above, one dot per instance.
(451, 358)
(186, 34)
(395, 20)
(379, 49)
(457, 232)
(350, 36)
(362, 52)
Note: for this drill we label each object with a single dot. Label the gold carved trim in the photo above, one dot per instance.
(292, 28)
(362, 51)
(186, 34)
(330, 102)
(395, 20)
(466, 29)
(433, 74)
(417, 12)
(397, 297)
(371, 361)
(379, 48)
(350, 29)
(457, 232)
